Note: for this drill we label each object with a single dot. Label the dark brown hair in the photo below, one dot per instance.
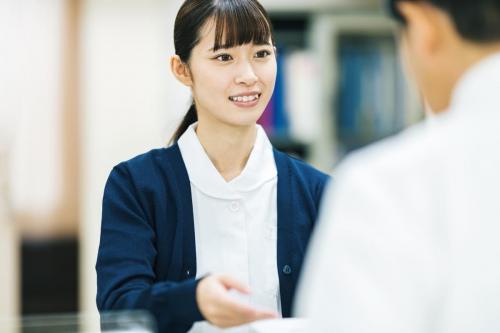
(475, 20)
(237, 21)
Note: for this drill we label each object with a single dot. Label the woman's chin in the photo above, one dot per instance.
(242, 121)
(244, 118)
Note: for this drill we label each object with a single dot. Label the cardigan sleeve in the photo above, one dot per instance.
(126, 258)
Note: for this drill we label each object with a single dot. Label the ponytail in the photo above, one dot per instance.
(190, 118)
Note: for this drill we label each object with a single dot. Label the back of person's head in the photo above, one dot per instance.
(441, 39)
(475, 20)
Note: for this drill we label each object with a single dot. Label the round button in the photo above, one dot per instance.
(287, 269)
(188, 272)
(234, 206)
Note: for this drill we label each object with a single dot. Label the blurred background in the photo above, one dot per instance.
(85, 84)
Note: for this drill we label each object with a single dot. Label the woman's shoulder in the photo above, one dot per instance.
(302, 177)
(300, 167)
(153, 159)
(150, 167)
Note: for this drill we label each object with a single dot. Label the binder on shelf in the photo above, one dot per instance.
(369, 105)
(275, 118)
(280, 117)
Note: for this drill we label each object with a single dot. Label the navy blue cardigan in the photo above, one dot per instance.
(147, 256)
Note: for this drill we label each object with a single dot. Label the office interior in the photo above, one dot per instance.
(85, 84)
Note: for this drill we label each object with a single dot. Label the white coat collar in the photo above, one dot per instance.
(260, 167)
(479, 87)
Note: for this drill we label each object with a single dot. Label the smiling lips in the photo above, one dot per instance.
(246, 100)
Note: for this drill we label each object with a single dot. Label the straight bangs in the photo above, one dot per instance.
(239, 22)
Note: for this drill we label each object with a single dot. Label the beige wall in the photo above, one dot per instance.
(38, 137)
(42, 165)
(9, 274)
(30, 36)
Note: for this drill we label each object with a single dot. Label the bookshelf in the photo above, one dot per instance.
(340, 83)
(364, 94)
(301, 6)
(291, 38)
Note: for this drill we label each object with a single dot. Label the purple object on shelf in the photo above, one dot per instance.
(266, 120)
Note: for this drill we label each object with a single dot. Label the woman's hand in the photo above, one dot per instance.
(222, 310)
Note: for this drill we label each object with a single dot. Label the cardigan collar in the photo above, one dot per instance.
(259, 169)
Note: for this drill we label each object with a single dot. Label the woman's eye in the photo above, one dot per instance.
(224, 57)
(262, 54)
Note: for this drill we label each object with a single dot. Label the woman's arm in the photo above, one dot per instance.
(125, 264)
(126, 276)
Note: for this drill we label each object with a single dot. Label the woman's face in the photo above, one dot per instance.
(232, 85)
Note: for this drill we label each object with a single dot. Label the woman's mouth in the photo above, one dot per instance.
(247, 100)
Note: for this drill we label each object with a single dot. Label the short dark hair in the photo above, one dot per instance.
(475, 20)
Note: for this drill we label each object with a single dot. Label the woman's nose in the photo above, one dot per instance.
(246, 75)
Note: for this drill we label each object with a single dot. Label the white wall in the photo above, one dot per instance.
(9, 259)
(9, 305)
(30, 162)
(32, 110)
(130, 102)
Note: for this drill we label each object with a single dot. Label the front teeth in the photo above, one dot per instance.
(244, 99)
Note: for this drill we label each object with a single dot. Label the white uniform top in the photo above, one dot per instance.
(409, 237)
(235, 222)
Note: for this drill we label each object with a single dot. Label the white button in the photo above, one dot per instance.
(234, 206)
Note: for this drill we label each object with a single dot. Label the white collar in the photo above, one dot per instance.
(478, 89)
(259, 169)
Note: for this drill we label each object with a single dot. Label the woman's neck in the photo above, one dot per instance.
(228, 147)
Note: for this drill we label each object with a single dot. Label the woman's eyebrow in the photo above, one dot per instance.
(225, 47)
(263, 44)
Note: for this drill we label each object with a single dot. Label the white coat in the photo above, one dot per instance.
(409, 235)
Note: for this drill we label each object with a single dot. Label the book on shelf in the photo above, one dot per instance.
(293, 110)
(370, 102)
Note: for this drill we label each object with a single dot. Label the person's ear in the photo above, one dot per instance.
(181, 71)
(423, 26)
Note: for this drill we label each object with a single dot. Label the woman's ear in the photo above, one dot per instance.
(181, 70)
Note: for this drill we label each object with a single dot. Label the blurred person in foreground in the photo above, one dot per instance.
(409, 235)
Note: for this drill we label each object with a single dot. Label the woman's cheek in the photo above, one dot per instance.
(268, 73)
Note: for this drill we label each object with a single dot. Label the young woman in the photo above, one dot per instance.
(211, 231)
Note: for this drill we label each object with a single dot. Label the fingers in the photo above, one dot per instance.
(241, 317)
(231, 283)
(238, 313)
(222, 309)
